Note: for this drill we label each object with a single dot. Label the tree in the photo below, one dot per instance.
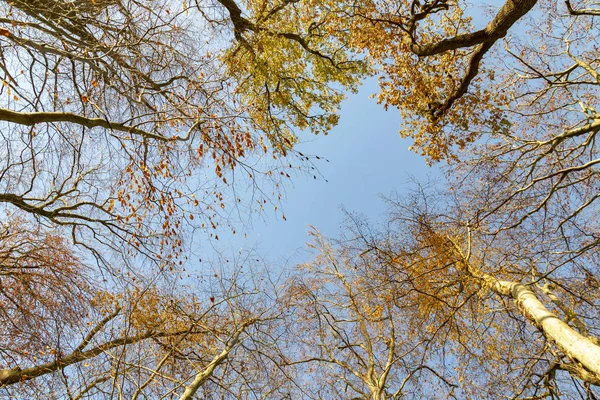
(507, 320)
(124, 126)
(66, 338)
(126, 123)
(516, 119)
(350, 330)
(43, 293)
(114, 112)
(530, 102)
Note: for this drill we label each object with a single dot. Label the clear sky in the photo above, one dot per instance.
(367, 158)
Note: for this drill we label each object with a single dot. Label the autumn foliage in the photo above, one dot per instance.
(133, 131)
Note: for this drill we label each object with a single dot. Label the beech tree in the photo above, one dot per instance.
(492, 315)
(354, 330)
(124, 126)
(528, 99)
(512, 108)
(124, 121)
(67, 338)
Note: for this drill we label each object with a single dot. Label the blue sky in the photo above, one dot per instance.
(367, 158)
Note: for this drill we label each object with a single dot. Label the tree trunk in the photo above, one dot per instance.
(583, 351)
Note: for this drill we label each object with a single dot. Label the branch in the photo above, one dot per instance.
(240, 24)
(153, 374)
(34, 118)
(581, 373)
(203, 376)
(15, 375)
(472, 72)
(97, 329)
(585, 11)
(582, 130)
(91, 385)
(509, 14)
(410, 375)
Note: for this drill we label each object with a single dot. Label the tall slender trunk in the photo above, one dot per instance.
(583, 351)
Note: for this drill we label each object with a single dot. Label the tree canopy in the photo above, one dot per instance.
(130, 127)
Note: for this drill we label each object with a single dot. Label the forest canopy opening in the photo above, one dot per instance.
(132, 128)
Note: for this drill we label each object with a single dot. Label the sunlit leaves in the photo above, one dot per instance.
(287, 63)
(137, 107)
